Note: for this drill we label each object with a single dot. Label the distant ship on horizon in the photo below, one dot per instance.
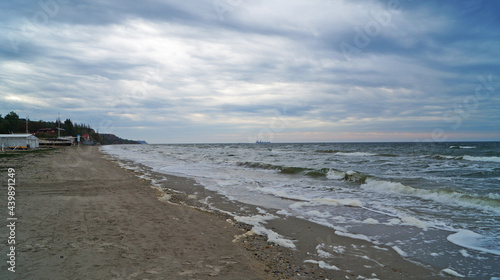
(262, 142)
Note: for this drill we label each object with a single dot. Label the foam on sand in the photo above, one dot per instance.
(452, 272)
(323, 265)
(399, 251)
(257, 220)
(354, 236)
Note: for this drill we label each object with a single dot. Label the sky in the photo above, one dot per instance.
(233, 71)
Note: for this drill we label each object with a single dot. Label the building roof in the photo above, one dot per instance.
(23, 135)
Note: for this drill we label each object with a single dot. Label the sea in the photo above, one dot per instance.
(434, 203)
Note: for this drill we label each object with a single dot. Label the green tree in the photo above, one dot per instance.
(68, 126)
(12, 121)
(3, 125)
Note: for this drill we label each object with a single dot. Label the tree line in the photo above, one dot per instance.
(12, 123)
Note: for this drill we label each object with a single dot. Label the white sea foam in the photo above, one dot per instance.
(261, 211)
(336, 202)
(471, 240)
(494, 195)
(449, 157)
(380, 248)
(361, 277)
(355, 154)
(399, 251)
(284, 212)
(335, 175)
(274, 237)
(441, 196)
(276, 191)
(318, 214)
(412, 221)
(394, 221)
(340, 219)
(462, 147)
(338, 249)
(354, 236)
(327, 201)
(370, 221)
(453, 273)
(491, 159)
(323, 265)
(465, 253)
(257, 220)
(322, 253)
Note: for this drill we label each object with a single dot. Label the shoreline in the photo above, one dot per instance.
(82, 216)
(383, 262)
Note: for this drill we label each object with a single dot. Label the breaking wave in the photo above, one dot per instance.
(288, 169)
(348, 176)
(491, 159)
(469, 158)
(343, 153)
(462, 147)
(488, 203)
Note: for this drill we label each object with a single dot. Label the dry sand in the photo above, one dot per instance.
(81, 216)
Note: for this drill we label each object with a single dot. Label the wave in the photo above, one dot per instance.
(489, 202)
(448, 157)
(328, 201)
(462, 147)
(327, 151)
(489, 159)
(342, 153)
(469, 158)
(329, 173)
(287, 169)
(356, 154)
(349, 176)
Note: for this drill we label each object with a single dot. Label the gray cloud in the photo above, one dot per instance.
(202, 71)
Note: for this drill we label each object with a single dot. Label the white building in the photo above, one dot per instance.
(18, 141)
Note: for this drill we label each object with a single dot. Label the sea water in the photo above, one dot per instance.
(435, 203)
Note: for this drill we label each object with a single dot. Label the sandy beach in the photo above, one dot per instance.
(81, 216)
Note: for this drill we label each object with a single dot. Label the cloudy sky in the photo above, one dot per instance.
(169, 71)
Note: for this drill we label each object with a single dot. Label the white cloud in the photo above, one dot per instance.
(183, 66)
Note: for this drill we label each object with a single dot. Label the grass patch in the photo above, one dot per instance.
(11, 154)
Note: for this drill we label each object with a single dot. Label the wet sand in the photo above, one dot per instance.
(81, 216)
